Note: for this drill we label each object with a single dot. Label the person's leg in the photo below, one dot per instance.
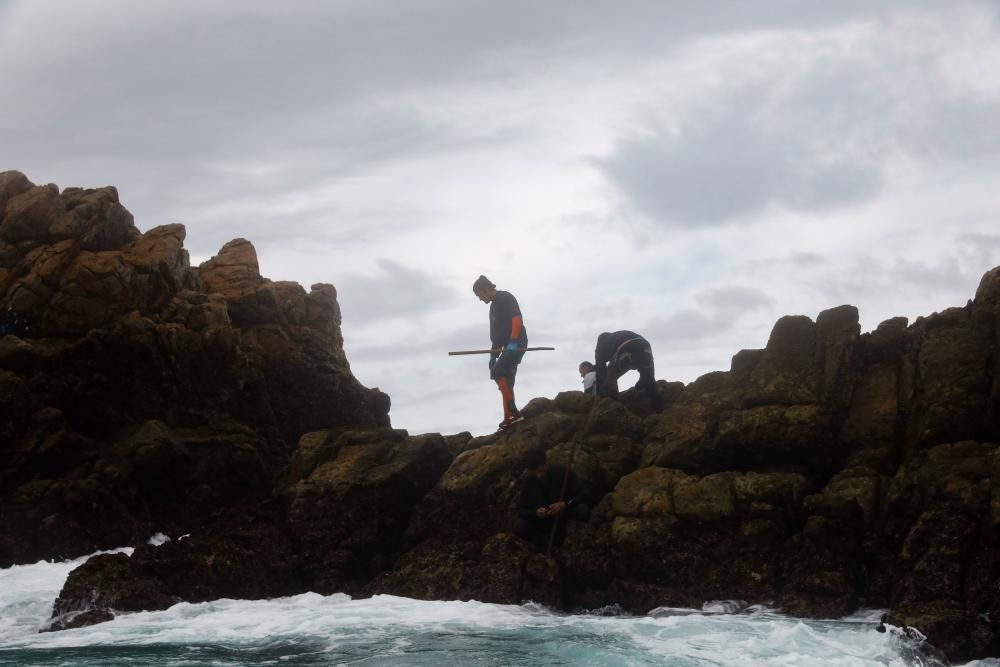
(647, 379)
(504, 372)
(506, 395)
(543, 535)
(501, 374)
(611, 381)
(535, 531)
(511, 377)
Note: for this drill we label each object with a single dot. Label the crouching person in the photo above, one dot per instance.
(620, 352)
(551, 492)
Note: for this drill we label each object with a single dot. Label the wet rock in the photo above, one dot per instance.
(786, 372)
(351, 511)
(837, 331)
(234, 272)
(243, 555)
(169, 408)
(12, 183)
(29, 215)
(951, 400)
(95, 219)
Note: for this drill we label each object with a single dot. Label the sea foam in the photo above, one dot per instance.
(327, 630)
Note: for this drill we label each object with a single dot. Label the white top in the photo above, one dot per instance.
(589, 381)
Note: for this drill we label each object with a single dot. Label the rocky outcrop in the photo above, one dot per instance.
(140, 392)
(829, 470)
(243, 553)
(350, 499)
(770, 482)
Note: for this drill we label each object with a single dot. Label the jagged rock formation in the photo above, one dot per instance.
(827, 471)
(146, 392)
(831, 469)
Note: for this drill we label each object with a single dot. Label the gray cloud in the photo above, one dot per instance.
(722, 308)
(461, 338)
(397, 291)
(808, 136)
(806, 259)
(980, 251)
(798, 262)
(724, 166)
(947, 274)
(319, 91)
(734, 300)
(234, 79)
(685, 325)
(980, 240)
(943, 279)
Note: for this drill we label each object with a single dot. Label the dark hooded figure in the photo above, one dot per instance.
(547, 496)
(620, 352)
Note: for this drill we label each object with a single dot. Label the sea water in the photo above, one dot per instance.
(311, 629)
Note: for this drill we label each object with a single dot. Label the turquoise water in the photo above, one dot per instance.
(311, 629)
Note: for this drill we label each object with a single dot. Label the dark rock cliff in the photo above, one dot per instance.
(142, 392)
(830, 470)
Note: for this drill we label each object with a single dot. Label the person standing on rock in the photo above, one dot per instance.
(508, 338)
(622, 351)
(546, 496)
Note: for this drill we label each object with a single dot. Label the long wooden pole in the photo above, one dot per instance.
(562, 495)
(499, 350)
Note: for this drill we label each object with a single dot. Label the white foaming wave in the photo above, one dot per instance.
(308, 615)
(724, 606)
(710, 607)
(865, 616)
(744, 639)
(757, 640)
(755, 636)
(30, 590)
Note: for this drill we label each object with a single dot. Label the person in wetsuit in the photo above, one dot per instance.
(543, 503)
(622, 351)
(508, 338)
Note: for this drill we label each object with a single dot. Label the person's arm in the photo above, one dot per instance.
(515, 332)
(509, 312)
(515, 327)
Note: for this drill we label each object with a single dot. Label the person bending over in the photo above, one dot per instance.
(622, 351)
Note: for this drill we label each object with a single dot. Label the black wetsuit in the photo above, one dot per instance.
(503, 309)
(623, 351)
(543, 492)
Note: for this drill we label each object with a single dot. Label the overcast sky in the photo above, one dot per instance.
(691, 170)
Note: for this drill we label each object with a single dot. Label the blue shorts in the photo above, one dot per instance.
(506, 365)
